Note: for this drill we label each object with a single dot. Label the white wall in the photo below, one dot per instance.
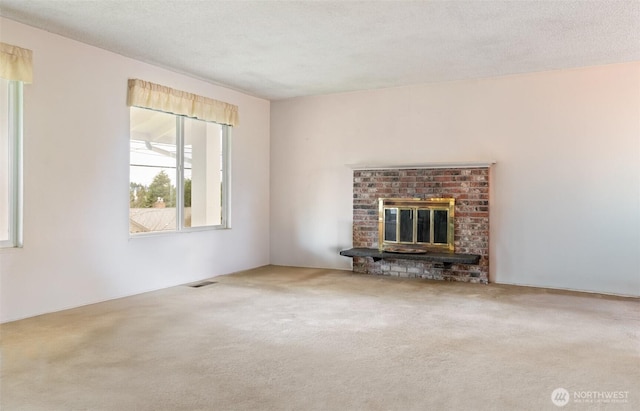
(77, 248)
(565, 207)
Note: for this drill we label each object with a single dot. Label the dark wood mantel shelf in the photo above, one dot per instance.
(444, 258)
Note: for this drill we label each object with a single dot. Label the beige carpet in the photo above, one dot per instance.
(281, 338)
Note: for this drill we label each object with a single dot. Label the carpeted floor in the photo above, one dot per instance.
(281, 338)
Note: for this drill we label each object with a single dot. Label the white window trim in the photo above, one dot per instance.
(15, 126)
(226, 177)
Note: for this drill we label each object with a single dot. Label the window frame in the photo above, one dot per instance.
(225, 189)
(15, 95)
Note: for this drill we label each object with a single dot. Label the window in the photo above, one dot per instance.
(11, 163)
(15, 69)
(178, 172)
(179, 159)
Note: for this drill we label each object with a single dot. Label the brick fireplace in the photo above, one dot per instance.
(468, 185)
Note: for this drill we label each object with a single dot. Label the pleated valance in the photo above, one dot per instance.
(156, 97)
(16, 63)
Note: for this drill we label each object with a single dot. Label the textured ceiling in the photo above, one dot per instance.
(282, 49)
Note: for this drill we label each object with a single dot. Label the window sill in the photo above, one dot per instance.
(185, 231)
(8, 249)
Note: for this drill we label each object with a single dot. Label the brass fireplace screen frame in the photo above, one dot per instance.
(408, 217)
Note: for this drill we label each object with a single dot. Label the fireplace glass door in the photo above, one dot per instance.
(415, 225)
(391, 224)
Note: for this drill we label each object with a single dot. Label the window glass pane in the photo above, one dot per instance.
(406, 226)
(390, 221)
(152, 173)
(424, 226)
(440, 225)
(5, 183)
(203, 162)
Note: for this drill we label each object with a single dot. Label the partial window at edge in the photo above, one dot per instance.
(10, 163)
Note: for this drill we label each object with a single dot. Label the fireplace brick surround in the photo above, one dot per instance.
(470, 188)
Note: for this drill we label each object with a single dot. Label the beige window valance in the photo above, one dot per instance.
(154, 96)
(16, 63)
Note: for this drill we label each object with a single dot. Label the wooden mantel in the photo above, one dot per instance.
(440, 257)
